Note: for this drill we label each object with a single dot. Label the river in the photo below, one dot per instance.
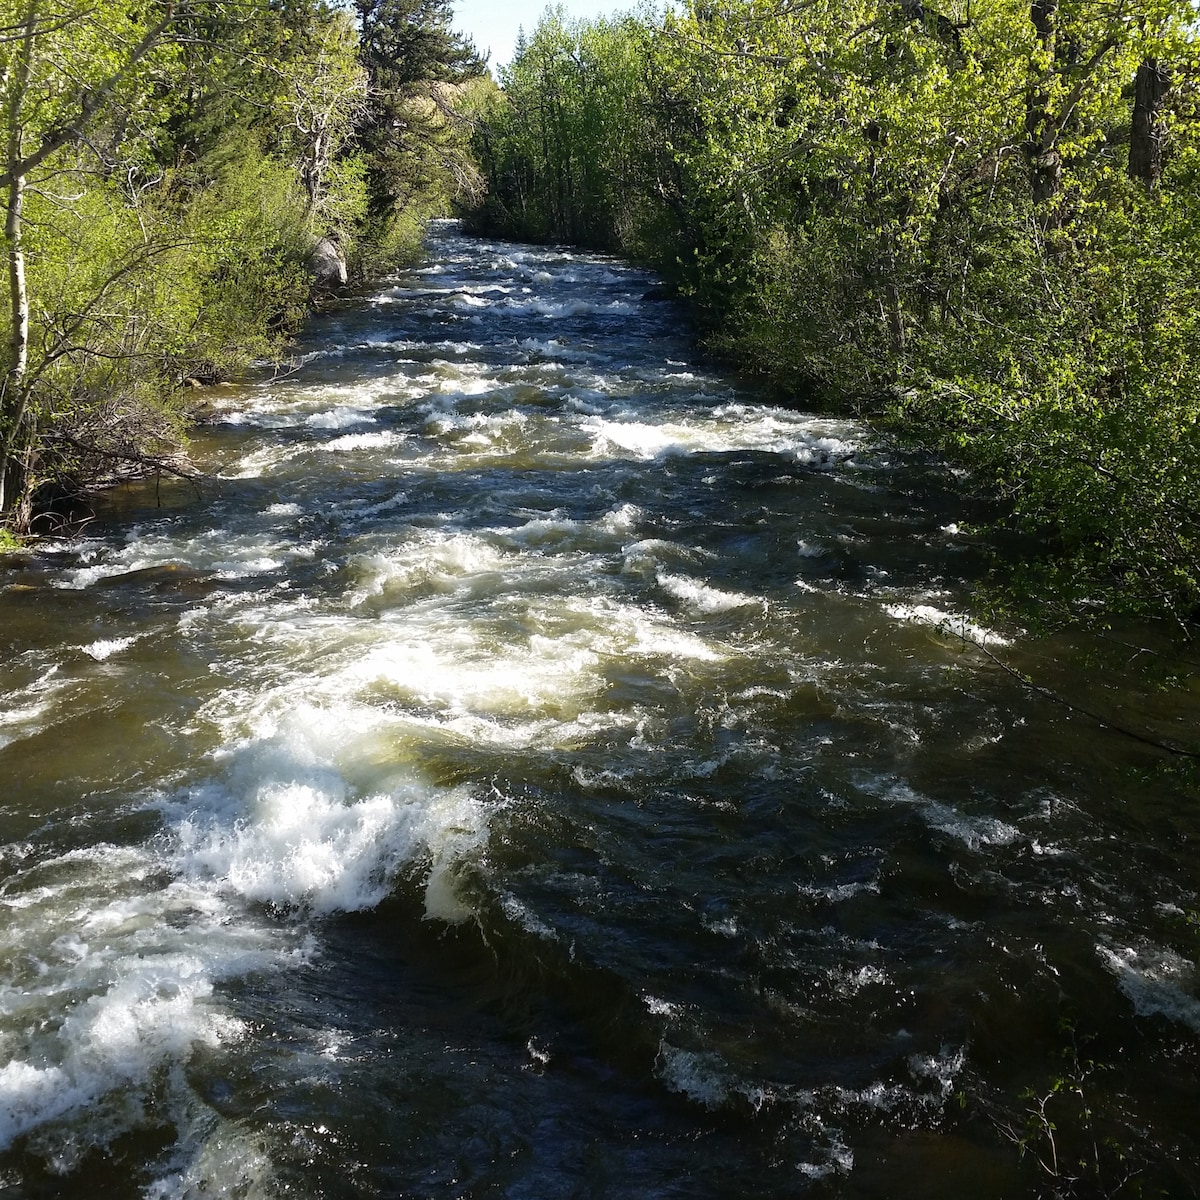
(536, 765)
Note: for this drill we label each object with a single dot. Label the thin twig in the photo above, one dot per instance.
(1103, 722)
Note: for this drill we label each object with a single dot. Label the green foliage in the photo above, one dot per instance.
(1073, 1132)
(413, 134)
(568, 151)
(209, 274)
(930, 214)
(397, 239)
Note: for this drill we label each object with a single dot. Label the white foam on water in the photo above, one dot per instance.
(383, 343)
(155, 1012)
(555, 529)
(216, 1157)
(590, 403)
(302, 360)
(554, 310)
(466, 300)
(933, 1082)
(848, 981)
(104, 648)
(838, 892)
(553, 349)
(639, 439)
(646, 557)
(940, 1070)
(480, 429)
(809, 437)
(396, 294)
(460, 674)
(1157, 982)
(261, 462)
(383, 440)
(522, 915)
(704, 598)
(476, 644)
(563, 533)
(296, 405)
(947, 623)
(308, 844)
(343, 417)
(700, 1075)
(315, 809)
(361, 510)
(623, 519)
(25, 707)
(636, 632)
(839, 1160)
(661, 1008)
(113, 989)
(218, 551)
(445, 561)
(548, 729)
(119, 951)
(800, 438)
(597, 271)
(485, 289)
(879, 1096)
(975, 832)
(465, 379)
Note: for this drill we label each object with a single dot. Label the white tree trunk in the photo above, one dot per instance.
(13, 396)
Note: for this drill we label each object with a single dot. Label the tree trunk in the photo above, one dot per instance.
(18, 338)
(1041, 149)
(1146, 144)
(13, 392)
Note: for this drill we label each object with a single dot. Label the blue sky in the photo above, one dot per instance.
(494, 23)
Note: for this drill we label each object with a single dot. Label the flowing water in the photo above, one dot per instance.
(536, 766)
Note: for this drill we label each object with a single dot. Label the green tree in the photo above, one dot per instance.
(47, 110)
(569, 151)
(413, 133)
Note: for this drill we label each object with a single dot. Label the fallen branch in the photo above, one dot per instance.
(143, 464)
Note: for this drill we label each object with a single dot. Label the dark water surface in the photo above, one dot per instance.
(537, 767)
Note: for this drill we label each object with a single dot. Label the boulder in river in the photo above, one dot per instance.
(328, 266)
